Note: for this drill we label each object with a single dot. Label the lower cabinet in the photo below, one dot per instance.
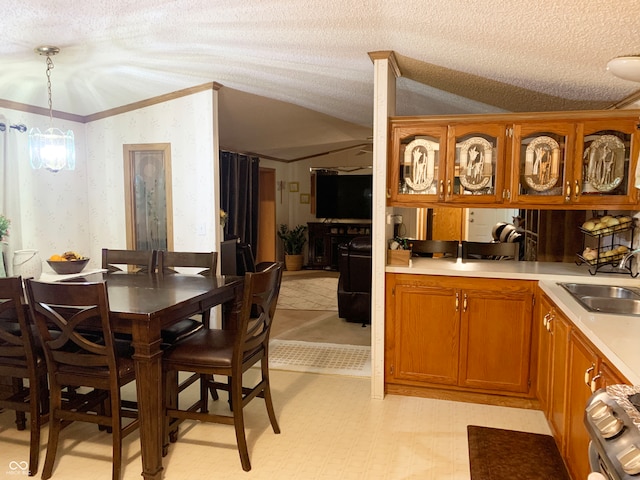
(457, 332)
(570, 369)
(582, 368)
(553, 343)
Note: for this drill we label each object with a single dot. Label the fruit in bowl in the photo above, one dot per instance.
(67, 263)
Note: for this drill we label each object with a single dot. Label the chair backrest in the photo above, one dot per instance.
(228, 260)
(17, 347)
(207, 262)
(245, 260)
(140, 261)
(427, 248)
(491, 251)
(80, 312)
(261, 290)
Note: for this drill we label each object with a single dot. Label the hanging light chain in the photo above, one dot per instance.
(49, 68)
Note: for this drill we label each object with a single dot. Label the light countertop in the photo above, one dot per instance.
(616, 336)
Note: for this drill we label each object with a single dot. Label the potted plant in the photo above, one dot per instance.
(293, 241)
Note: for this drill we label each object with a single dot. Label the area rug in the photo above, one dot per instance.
(497, 454)
(328, 358)
(314, 292)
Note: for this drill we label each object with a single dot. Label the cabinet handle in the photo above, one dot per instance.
(568, 194)
(545, 320)
(508, 194)
(441, 188)
(448, 187)
(576, 190)
(594, 380)
(587, 375)
(457, 301)
(464, 303)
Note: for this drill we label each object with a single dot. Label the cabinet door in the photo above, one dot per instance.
(606, 153)
(417, 170)
(495, 338)
(426, 331)
(541, 153)
(475, 163)
(545, 312)
(559, 328)
(609, 376)
(583, 365)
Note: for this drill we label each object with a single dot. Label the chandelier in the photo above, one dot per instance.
(52, 149)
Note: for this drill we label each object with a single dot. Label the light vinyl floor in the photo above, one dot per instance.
(331, 429)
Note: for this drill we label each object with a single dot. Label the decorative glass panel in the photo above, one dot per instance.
(605, 163)
(150, 197)
(542, 157)
(419, 167)
(475, 165)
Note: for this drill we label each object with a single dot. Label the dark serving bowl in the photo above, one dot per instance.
(70, 266)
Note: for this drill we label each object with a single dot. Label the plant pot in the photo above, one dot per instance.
(293, 262)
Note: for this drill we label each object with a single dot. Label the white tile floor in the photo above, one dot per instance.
(331, 429)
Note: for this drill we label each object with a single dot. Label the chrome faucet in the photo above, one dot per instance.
(626, 257)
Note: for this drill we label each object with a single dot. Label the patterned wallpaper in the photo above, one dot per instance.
(83, 210)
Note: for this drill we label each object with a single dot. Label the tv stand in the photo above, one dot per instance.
(324, 239)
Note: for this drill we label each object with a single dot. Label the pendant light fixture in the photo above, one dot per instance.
(52, 149)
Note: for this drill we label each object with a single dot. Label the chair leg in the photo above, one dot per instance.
(17, 385)
(238, 423)
(55, 425)
(36, 423)
(116, 426)
(267, 396)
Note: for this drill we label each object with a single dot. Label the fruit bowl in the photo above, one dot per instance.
(65, 267)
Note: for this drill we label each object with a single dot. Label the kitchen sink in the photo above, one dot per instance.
(605, 298)
(623, 306)
(605, 291)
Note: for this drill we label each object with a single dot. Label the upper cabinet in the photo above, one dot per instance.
(544, 160)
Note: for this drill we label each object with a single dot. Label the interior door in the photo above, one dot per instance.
(447, 223)
(267, 216)
(148, 199)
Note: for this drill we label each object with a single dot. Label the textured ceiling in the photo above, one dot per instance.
(474, 56)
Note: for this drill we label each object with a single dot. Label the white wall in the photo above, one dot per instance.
(83, 210)
(54, 215)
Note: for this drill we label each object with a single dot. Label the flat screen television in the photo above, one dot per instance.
(344, 196)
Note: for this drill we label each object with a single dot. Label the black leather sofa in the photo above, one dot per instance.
(354, 284)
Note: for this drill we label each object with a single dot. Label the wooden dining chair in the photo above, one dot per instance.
(228, 353)
(21, 360)
(434, 248)
(491, 250)
(135, 261)
(83, 354)
(168, 262)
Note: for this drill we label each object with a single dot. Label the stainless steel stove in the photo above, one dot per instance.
(612, 418)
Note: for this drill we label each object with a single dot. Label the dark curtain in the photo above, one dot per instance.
(239, 178)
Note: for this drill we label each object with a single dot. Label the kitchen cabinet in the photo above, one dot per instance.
(583, 364)
(447, 163)
(469, 334)
(553, 342)
(570, 368)
(562, 160)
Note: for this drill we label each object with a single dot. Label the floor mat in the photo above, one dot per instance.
(309, 293)
(330, 358)
(497, 454)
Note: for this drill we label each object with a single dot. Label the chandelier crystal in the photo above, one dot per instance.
(52, 149)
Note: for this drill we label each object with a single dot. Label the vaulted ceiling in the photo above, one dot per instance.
(296, 75)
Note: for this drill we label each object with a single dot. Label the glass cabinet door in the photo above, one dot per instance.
(604, 162)
(540, 157)
(477, 166)
(417, 164)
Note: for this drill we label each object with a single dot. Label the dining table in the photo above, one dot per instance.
(142, 305)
